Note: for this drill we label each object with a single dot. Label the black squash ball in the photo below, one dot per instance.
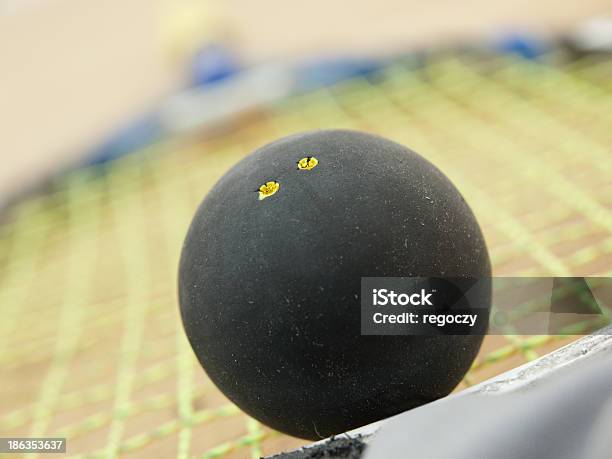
(270, 276)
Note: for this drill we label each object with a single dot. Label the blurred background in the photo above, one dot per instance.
(118, 116)
(73, 71)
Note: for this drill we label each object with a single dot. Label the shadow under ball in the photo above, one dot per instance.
(270, 278)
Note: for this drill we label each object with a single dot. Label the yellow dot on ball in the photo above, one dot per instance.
(268, 189)
(307, 163)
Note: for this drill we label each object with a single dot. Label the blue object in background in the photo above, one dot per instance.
(213, 68)
(527, 46)
(325, 72)
(133, 136)
(213, 63)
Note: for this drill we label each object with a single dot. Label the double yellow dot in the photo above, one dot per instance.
(269, 188)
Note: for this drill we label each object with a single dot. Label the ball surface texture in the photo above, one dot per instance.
(270, 276)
